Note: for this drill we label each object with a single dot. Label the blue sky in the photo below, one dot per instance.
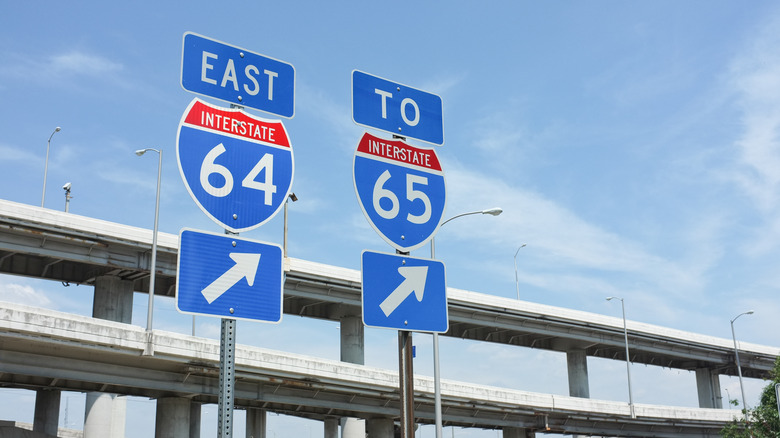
(634, 147)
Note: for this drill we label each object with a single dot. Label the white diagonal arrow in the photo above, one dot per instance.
(246, 266)
(414, 281)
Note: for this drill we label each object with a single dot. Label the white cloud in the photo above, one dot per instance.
(23, 294)
(569, 253)
(553, 228)
(83, 63)
(755, 76)
(331, 113)
(17, 154)
(58, 68)
(443, 85)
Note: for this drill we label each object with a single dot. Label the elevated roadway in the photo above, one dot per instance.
(42, 348)
(54, 245)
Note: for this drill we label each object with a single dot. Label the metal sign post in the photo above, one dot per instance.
(227, 375)
(777, 396)
(406, 379)
(227, 378)
(406, 375)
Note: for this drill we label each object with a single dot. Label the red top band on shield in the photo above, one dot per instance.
(397, 150)
(237, 122)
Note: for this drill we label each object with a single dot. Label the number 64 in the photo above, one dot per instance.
(209, 167)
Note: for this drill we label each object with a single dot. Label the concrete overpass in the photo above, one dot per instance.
(47, 349)
(53, 245)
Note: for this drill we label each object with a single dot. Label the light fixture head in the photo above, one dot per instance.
(57, 129)
(749, 312)
(493, 211)
(140, 152)
(293, 198)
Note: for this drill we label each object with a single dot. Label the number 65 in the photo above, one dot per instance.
(411, 194)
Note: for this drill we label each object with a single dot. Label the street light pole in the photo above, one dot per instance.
(739, 367)
(46, 166)
(436, 377)
(517, 282)
(153, 265)
(777, 397)
(628, 358)
(293, 198)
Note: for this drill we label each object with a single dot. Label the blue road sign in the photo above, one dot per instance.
(238, 76)
(237, 167)
(404, 293)
(222, 275)
(401, 190)
(397, 109)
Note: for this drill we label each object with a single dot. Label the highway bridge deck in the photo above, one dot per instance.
(54, 245)
(46, 349)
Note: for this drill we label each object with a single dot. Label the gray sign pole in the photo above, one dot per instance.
(407, 383)
(227, 373)
(227, 378)
(406, 378)
(777, 397)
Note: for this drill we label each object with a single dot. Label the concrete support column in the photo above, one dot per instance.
(47, 411)
(255, 423)
(331, 428)
(353, 428)
(577, 366)
(113, 299)
(517, 432)
(708, 388)
(352, 351)
(577, 370)
(380, 428)
(118, 416)
(173, 418)
(195, 419)
(99, 416)
(104, 414)
(352, 341)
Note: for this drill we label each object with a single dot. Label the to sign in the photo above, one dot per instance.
(222, 275)
(238, 76)
(238, 168)
(401, 190)
(397, 109)
(404, 293)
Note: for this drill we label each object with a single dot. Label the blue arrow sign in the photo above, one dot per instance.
(222, 275)
(238, 76)
(404, 293)
(396, 108)
(401, 190)
(237, 167)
